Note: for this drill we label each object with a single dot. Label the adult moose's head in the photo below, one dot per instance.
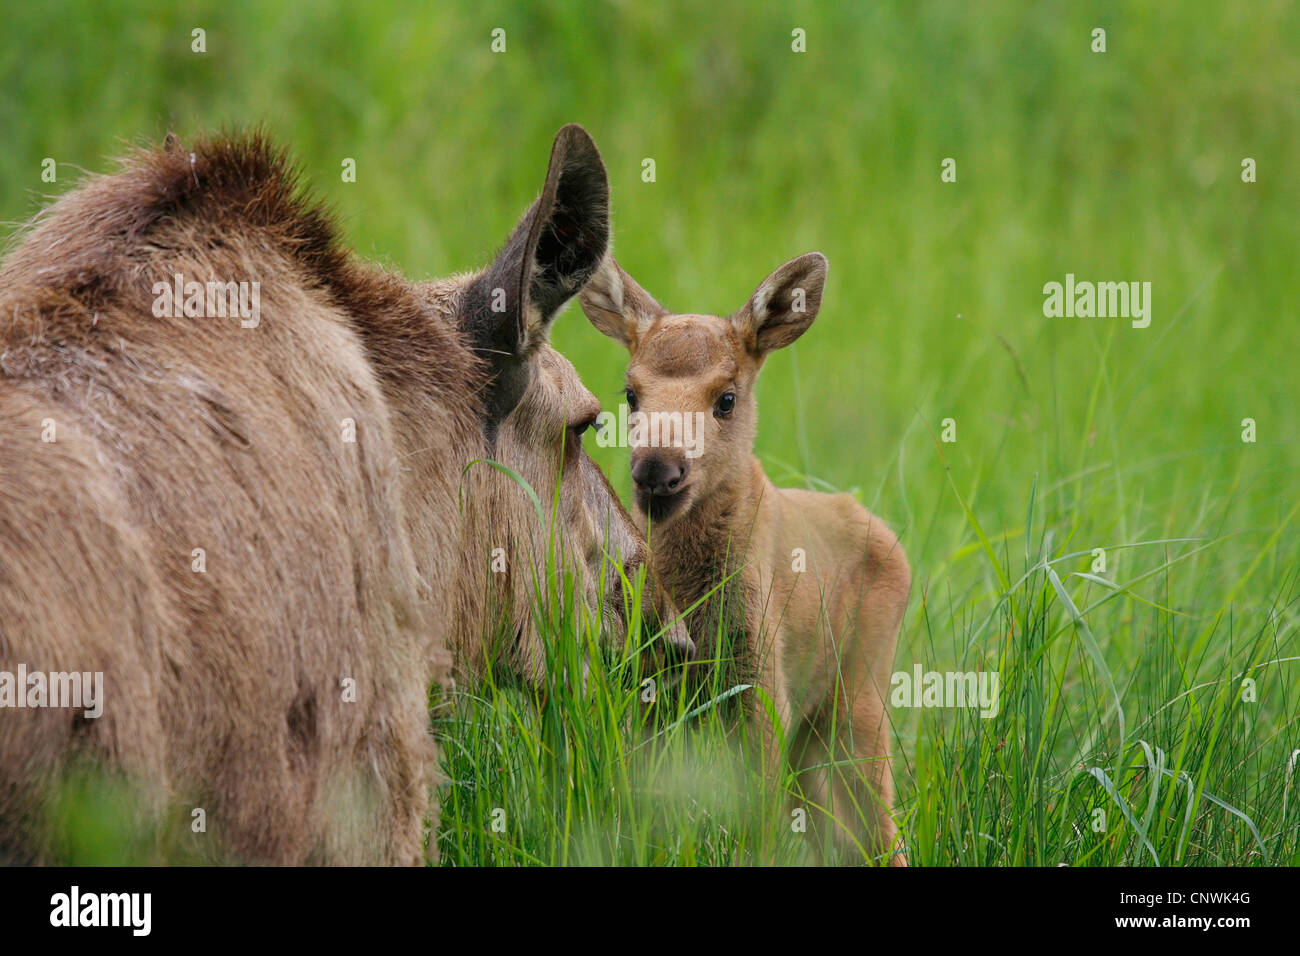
(534, 412)
(232, 517)
(508, 309)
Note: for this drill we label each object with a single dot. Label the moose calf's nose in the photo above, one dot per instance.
(656, 476)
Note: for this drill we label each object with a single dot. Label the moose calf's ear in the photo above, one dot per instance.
(616, 305)
(784, 304)
(551, 254)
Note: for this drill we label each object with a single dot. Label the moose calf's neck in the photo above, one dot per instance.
(720, 523)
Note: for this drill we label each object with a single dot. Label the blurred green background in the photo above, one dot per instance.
(1122, 165)
(1115, 166)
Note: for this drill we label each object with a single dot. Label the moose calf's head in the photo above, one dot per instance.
(690, 381)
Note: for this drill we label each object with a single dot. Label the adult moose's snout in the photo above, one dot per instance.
(659, 476)
(677, 641)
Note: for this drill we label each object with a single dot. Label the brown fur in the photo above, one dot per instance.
(325, 559)
(821, 640)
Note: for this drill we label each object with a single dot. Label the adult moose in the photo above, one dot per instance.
(265, 534)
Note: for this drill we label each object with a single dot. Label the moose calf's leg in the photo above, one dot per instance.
(864, 783)
(843, 756)
(772, 680)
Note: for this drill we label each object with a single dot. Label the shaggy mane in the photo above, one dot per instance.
(221, 188)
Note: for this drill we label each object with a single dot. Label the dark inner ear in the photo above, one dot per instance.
(571, 240)
(548, 258)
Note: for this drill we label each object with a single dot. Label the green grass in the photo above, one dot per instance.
(1122, 689)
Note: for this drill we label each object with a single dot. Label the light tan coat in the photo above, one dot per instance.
(817, 584)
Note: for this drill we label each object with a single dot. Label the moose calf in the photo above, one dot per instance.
(822, 583)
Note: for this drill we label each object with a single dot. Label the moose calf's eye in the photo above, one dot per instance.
(631, 400)
(726, 402)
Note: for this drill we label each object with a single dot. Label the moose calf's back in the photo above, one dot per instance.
(826, 559)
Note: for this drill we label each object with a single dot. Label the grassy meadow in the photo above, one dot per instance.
(1150, 708)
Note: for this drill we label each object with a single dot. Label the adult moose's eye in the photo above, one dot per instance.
(726, 402)
(631, 400)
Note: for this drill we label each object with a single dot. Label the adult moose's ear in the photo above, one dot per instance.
(784, 304)
(616, 305)
(551, 254)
